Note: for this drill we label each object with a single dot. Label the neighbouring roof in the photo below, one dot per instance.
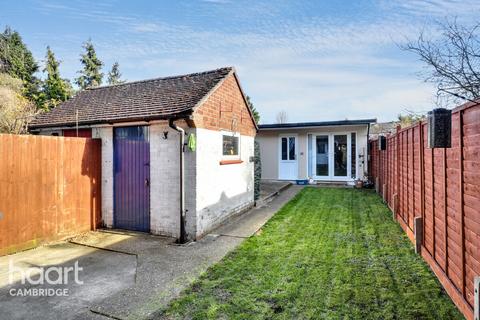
(316, 124)
(160, 98)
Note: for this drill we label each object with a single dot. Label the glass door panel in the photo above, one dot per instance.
(340, 155)
(321, 163)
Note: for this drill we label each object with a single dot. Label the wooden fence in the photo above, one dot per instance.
(442, 187)
(49, 189)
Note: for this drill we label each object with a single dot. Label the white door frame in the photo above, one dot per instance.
(293, 163)
(331, 156)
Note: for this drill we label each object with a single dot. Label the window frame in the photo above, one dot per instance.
(232, 134)
(297, 152)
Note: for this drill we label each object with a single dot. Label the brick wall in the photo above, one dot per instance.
(225, 109)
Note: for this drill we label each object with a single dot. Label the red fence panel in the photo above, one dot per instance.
(50, 189)
(443, 187)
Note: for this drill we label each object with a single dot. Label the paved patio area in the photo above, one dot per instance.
(129, 275)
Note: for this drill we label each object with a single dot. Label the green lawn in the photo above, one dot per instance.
(328, 254)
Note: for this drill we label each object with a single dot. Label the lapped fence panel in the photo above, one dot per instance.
(443, 187)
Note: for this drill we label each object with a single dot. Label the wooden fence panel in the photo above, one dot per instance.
(443, 187)
(49, 189)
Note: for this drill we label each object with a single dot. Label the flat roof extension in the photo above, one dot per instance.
(293, 125)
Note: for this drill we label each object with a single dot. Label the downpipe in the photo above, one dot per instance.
(183, 233)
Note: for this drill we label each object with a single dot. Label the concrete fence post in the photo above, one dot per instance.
(476, 289)
(377, 186)
(418, 231)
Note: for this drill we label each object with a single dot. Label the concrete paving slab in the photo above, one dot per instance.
(268, 187)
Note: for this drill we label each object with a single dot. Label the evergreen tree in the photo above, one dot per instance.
(256, 114)
(114, 75)
(55, 89)
(91, 75)
(17, 61)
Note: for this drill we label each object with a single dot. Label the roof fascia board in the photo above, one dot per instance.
(314, 127)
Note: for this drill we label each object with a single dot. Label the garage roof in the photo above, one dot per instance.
(159, 98)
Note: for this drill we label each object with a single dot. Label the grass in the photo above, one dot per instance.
(327, 254)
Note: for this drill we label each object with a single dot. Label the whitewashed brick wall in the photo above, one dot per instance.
(164, 183)
(106, 134)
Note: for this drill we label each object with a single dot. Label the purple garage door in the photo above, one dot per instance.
(131, 150)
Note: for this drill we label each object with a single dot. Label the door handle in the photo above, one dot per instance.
(147, 183)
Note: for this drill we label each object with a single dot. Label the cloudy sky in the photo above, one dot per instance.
(317, 60)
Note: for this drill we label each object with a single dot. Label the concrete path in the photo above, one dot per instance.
(248, 224)
(134, 276)
(269, 189)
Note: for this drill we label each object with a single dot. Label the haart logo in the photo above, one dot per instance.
(39, 276)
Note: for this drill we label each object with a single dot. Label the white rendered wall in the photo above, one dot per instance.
(222, 190)
(269, 148)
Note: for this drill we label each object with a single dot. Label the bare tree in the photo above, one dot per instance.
(282, 117)
(453, 61)
(16, 111)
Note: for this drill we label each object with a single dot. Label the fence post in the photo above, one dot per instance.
(395, 206)
(418, 231)
(445, 212)
(476, 311)
(384, 192)
(422, 175)
(377, 187)
(397, 163)
(461, 200)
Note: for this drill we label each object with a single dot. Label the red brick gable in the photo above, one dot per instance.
(225, 109)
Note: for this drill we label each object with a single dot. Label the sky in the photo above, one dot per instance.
(316, 60)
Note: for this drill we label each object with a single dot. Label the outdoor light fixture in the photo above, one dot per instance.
(439, 128)
(382, 143)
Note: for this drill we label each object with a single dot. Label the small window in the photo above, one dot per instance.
(230, 145)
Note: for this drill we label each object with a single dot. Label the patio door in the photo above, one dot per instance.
(331, 156)
(340, 154)
(321, 156)
(131, 184)
(288, 162)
